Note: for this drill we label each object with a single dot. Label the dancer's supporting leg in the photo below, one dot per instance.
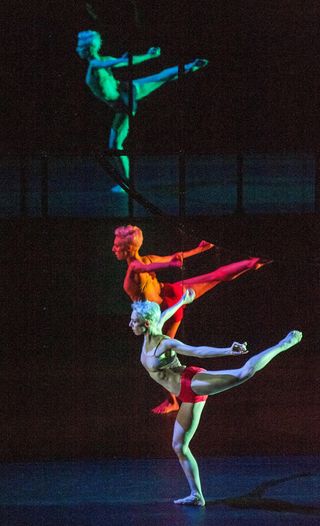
(147, 85)
(118, 134)
(185, 426)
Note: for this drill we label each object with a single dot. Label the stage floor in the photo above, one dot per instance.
(238, 490)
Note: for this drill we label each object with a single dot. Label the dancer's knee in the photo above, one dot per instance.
(180, 448)
(115, 141)
(246, 372)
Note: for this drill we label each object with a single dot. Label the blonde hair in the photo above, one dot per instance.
(86, 41)
(147, 310)
(130, 235)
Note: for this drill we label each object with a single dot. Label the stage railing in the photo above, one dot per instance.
(177, 184)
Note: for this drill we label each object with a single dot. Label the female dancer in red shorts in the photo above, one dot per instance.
(141, 282)
(191, 385)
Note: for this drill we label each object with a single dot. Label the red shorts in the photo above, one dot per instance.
(171, 293)
(186, 394)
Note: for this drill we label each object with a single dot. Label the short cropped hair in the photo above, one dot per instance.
(130, 235)
(86, 39)
(147, 310)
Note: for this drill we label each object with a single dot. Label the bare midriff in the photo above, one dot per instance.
(103, 84)
(143, 286)
(170, 379)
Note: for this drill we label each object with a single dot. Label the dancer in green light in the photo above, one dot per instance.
(101, 81)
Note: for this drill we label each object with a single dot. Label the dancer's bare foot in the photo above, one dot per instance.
(291, 339)
(206, 245)
(117, 189)
(262, 262)
(195, 499)
(168, 406)
(198, 63)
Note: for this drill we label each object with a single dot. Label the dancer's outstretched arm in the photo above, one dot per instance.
(202, 247)
(187, 298)
(206, 352)
(153, 52)
(137, 267)
(108, 62)
(123, 61)
(189, 350)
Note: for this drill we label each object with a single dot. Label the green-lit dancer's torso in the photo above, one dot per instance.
(102, 84)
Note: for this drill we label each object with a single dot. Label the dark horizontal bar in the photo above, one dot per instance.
(93, 153)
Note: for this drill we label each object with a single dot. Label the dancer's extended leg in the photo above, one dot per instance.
(201, 284)
(213, 382)
(147, 85)
(185, 427)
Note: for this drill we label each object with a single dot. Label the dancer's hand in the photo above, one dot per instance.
(154, 52)
(196, 64)
(201, 62)
(205, 245)
(177, 256)
(188, 296)
(177, 260)
(239, 348)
